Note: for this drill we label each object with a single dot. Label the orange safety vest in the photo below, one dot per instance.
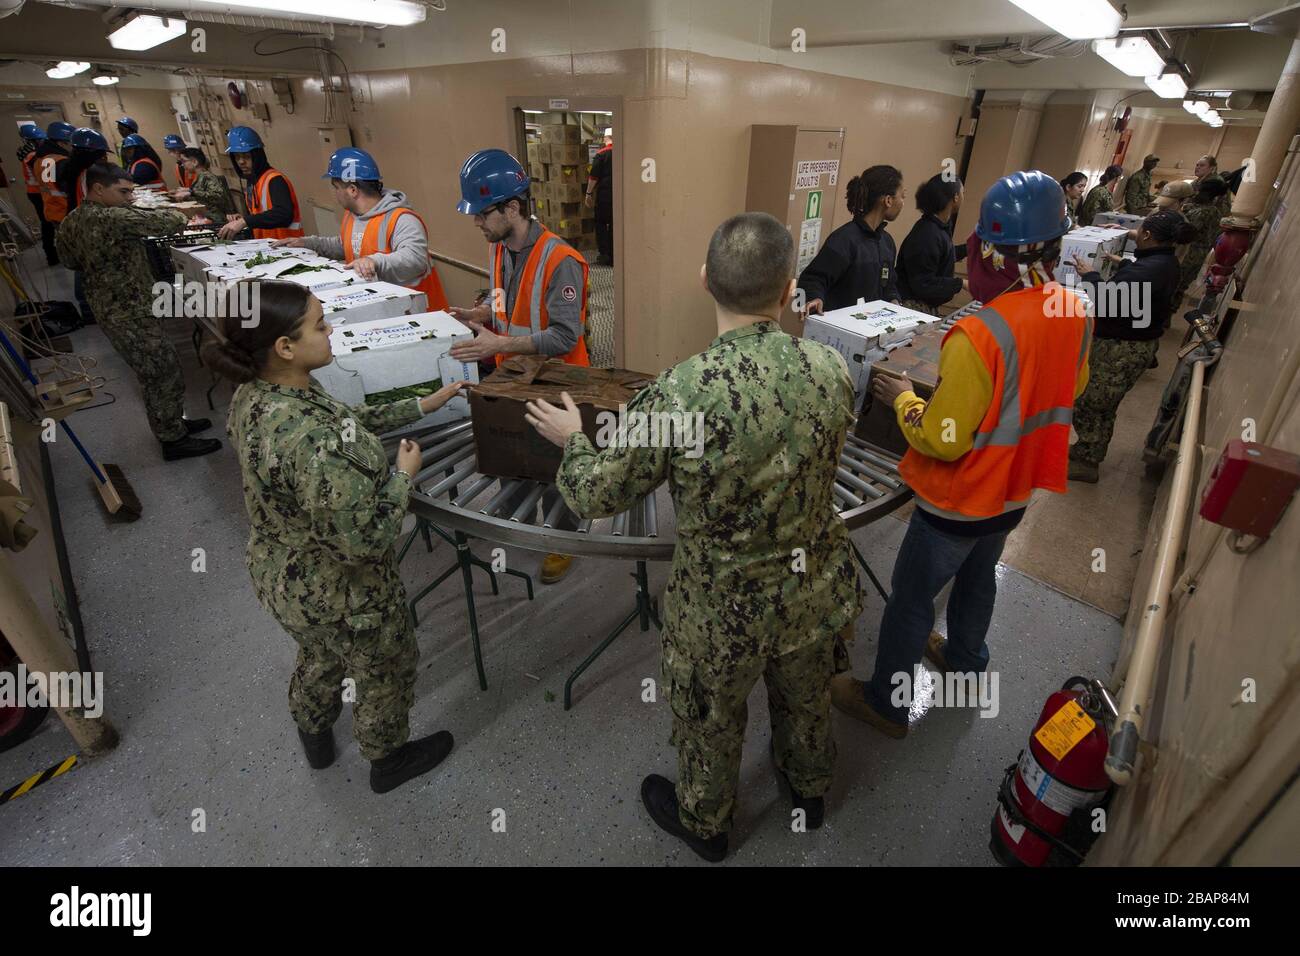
(29, 173)
(185, 177)
(1033, 357)
(530, 315)
(54, 199)
(157, 173)
(258, 196)
(382, 226)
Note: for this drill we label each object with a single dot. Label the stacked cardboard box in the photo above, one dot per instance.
(863, 333)
(919, 361)
(507, 446)
(368, 301)
(411, 353)
(1090, 243)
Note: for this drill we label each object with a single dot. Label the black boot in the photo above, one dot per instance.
(193, 425)
(319, 747)
(409, 760)
(189, 447)
(814, 808)
(660, 799)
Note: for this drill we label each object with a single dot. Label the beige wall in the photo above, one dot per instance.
(688, 112)
(1181, 144)
(1213, 760)
(1004, 142)
(1060, 133)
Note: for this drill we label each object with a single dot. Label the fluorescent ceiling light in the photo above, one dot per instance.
(66, 69)
(105, 80)
(144, 32)
(1211, 117)
(1076, 19)
(1170, 86)
(383, 13)
(1189, 106)
(1200, 107)
(1132, 56)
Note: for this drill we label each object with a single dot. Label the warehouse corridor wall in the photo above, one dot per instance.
(1219, 784)
(686, 119)
(1180, 145)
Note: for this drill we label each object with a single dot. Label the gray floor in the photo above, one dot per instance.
(196, 678)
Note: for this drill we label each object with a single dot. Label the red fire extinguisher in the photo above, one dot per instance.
(1061, 771)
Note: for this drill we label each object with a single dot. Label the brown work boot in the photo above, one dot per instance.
(849, 697)
(555, 566)
(1084, 471)
(934, 651)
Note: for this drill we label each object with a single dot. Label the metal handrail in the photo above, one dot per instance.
(459, 264)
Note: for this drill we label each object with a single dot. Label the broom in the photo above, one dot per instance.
(120, 499)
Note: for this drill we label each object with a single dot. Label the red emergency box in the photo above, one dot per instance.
(1250, 488)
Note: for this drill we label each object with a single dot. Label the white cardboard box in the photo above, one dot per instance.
(1090, 243)
(327, 274)
(195, 261)
(863, 333)
(376, 356)
(369, 301)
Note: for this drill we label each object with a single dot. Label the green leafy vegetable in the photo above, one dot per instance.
(404, 392)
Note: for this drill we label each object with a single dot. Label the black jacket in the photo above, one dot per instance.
(925, 263)
(1137, 302)
(855, 263)
(280, 214)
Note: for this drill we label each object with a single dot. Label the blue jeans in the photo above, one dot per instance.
(928, 560)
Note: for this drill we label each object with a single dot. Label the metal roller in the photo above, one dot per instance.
(500, 499)
(454, 478)
(528, 506)
(879, 461)
(620, 524)
(441, 432)
(432, 453)
(453, 460)
(857, 484)
(651, 516)
(845, 497)
(584, 526)
(473, 491)
(552, 517)
(860, 467)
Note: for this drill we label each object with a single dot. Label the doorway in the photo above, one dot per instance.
(562, 149)
(12, 116)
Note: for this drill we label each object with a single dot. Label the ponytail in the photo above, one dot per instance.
(863, 192)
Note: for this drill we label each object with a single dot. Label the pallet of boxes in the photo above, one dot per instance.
(558, 165)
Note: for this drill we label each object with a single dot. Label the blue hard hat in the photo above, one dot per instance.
(172, 141)
(241, 139)
(86, 138)
(488, 177)
(1023, 208)
(352, 165)
(59, 131)
(135, 139)
(129, 123)
(31, 131)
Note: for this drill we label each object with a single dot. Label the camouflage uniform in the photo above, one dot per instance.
(324, 512)
(775, 410)
(211, 190)
(1115, 365)
(1205, 217)
(103, 244)
(1137, 193)
(1098, 200)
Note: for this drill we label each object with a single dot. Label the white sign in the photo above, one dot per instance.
(808, 175)
(810, 237)
(559, 104)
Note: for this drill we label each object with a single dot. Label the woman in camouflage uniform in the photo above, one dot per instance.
(209, 188)
(325, 510)
(1099, 198)
(1203, 211)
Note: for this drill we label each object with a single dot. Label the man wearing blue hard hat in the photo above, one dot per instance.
(88, 148)
(51, 156)
(996, 428)
(272, 202)
(538, 302)
(125, 127)
(176, 147)
(33, 137)
(142, 162)
(380, 235)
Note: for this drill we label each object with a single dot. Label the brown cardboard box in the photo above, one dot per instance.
(568, 210)
(508, 447)
(567, 228)
(564, 191)
(543, 153)
(588, 227)
(919, 360)
(573, 155)
(534, 149)
(539, 208)
(561, 134)
(537, 172)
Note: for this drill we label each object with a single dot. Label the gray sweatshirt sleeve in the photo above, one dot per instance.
(408, 263)
(331, 247)
(563, 310)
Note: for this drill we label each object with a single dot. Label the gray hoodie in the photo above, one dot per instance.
(407, 264)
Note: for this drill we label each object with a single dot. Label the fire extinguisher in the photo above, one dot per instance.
(1061, 771)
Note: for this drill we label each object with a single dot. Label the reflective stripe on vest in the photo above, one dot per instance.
(29, 173)
(534, 276)
(1022, 443)
(157, 173)
(377, 237)
(258, 197)
(53, 199)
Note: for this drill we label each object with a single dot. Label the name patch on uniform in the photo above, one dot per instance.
(569, 293)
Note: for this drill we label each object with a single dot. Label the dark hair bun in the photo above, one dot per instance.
(230, 361)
